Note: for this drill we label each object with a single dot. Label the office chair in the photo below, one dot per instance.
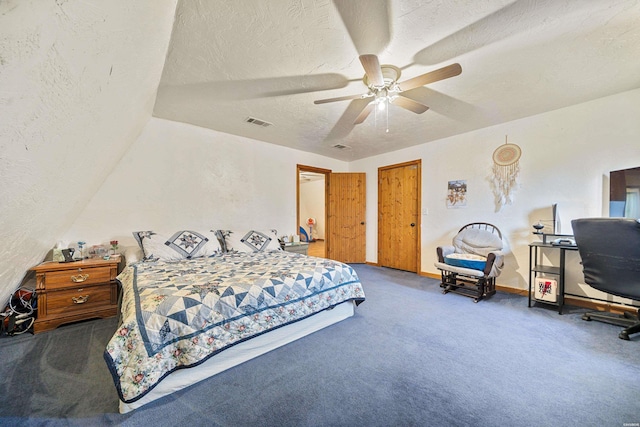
(610, 252)
(470, 266)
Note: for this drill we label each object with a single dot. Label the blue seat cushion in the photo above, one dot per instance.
(474, 262)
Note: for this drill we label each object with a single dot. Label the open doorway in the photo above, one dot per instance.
(311, 206)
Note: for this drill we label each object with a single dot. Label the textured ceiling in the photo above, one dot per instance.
(229, 60)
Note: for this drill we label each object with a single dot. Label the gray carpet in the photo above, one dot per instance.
(411, 356)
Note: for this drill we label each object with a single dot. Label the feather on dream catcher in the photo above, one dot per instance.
(505, 172)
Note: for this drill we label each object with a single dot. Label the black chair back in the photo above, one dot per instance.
(610, 252)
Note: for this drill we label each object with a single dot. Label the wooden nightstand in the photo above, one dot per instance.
(299, 248)
(68, 292)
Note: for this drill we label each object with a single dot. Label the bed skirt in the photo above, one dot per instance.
(243, 352)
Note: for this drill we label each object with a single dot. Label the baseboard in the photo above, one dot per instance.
(431, 275)
(510, 290)
(575, 301)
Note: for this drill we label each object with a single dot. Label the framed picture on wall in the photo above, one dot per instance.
(457, 194)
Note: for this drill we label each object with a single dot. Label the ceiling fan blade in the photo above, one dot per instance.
(371, 67)
(409, 104)
(433, 76)
(364, 114)
(340, 98)
(367, 22)
(345, 125)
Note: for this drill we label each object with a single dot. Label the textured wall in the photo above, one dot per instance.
(77, 85)
(566, 158)
(179, 176)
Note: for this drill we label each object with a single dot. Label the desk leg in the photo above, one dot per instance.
(561, 284)
(531, 272)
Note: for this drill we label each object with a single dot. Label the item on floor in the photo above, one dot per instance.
(311, 222)
(610, 253)
(19, 315)
(471, 264)
(304, 237)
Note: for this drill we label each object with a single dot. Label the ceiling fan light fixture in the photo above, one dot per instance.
(383, 86)
(390, 75)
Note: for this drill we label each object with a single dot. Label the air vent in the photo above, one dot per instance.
(258, 122)
(341, 147)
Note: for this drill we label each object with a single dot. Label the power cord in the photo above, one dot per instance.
(25, 303)
(13, 317)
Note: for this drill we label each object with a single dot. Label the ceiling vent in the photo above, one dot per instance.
(341, 147)
(258, 122)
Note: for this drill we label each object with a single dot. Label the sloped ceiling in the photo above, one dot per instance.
(231, 60)
(77, 85)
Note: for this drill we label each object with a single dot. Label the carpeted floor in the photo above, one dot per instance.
(411, 356)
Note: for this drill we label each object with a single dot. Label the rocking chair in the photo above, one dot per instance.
(470, 266)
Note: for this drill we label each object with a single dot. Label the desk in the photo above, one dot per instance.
(537, 267)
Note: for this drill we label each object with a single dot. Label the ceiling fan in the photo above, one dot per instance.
(384, 88)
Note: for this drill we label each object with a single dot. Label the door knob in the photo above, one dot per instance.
(361, 222)
(413, 224)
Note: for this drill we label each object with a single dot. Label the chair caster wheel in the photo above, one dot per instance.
(586, 317)
(475, 300)
(623, 336)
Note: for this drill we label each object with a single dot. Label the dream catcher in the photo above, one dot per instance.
(505, 172)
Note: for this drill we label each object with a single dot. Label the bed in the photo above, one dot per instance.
(210, 312)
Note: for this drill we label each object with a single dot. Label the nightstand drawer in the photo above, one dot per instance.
(77, 277)
(80, 299)
(74, 291)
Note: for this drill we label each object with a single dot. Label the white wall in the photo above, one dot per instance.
(566, 157)
(312, 204)
(178, 176)
(77, 85)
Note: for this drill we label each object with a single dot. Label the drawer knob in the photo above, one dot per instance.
(81, 299)
(79, 278)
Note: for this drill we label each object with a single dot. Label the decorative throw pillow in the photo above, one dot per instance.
(184, 244)
(139, 235)
(474, 262)
(251, 241)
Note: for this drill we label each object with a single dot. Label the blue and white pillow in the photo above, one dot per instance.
(250, 241)
(183, 244)
(187, 243)
(474, 262)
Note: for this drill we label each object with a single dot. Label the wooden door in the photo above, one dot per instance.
(346, 228)
(399, 216)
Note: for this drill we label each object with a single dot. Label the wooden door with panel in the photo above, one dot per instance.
(399, 216)
(346, 211)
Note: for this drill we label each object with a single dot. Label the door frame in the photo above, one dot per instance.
(326, 173)
(417, 163)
